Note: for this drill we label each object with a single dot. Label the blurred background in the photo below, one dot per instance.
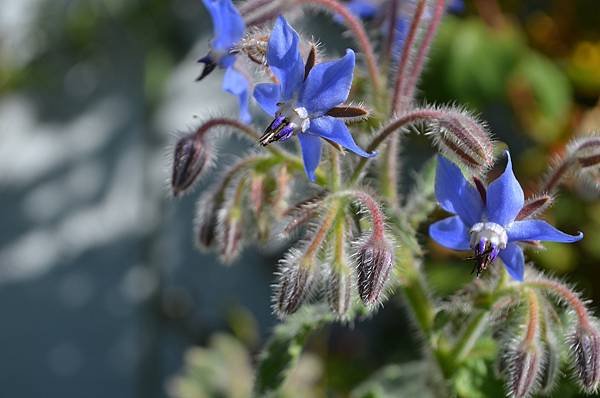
(102, 292)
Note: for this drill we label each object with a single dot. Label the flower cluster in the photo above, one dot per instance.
(352, 238)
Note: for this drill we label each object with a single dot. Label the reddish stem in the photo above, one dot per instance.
(357, 28)
(404, 58)
(375, 211)
(424, 46)
(568, 295)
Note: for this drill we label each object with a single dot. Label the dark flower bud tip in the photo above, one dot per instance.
(339, 291)
(294, 284)
(190, 158)
(585, 350)
(524, 369)
(374, 262)
(209, 66)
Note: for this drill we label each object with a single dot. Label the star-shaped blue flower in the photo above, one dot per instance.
(228, 27)
(485, 222)
(300, 100)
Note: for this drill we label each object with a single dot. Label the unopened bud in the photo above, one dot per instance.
(295, 282)
(339, 291)
(460, 136)
(551, 368)
(230, 233)
(190, 159)
(524, 368)
(206, 220)
(587, 154)
(257, 193)
(585, 351)
(374, 261)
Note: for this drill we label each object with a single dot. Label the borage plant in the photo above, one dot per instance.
(330, 106)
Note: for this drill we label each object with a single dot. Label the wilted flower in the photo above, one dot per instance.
(300, 102)
(228, 27)
(485, 223)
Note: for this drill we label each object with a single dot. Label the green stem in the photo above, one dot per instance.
(471, 334)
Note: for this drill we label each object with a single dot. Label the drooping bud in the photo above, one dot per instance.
(297, 270)
(282, 191)
(523, 360)
(206, 221)
(585, 352)
(339, 290)
(374, 262)
(460, 136)
(257, 192)
(295, 282)
(551, 367)
(524, 368)
(190, 158)
(230, 233)
(587, 154)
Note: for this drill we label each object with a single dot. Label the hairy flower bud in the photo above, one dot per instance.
(206, 220)
(460, 136)
(374, 261)
(524, 368)
(230, 233)
(339, 290)
(190, 158)
(585, 352)
(551, 367)
(295, 282)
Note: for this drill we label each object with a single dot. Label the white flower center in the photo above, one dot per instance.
(488, 232)
(296, 116)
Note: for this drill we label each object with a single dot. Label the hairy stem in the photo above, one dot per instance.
(402, 72)
(424, 47)
(472, 331)
(389, 129)
(567, 295)
(358, 30)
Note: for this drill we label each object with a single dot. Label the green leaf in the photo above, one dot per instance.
(406, 380)
(285, 346)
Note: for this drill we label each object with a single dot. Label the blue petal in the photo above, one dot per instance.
(539, 230)
(451, 233)
(228, 24)
(362, 8)
(513, 259)
(235, 83)
(504, 197)
(335, 130)
(328, 84)
(311, 153)
(284, 59)
(268, 95)
(456, 6)
(455, 194)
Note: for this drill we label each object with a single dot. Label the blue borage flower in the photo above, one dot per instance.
(484, 220)
(228, 27)
(303, 96)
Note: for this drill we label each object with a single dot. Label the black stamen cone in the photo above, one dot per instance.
(209, 66)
